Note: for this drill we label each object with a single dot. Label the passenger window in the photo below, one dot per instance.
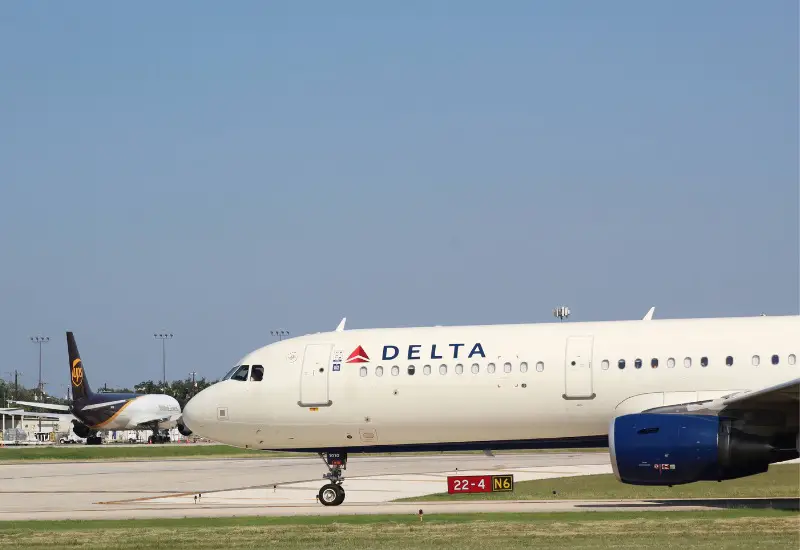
(257, 373)
(395, 370)
(241, 374)
(687, 362)
(411, 370)
(442, 369)
(654, 363)
(604, 365)
(459, 368)
(362, 371)
(475, 368)
(774, 359)
(539, 366)
(756, 360)
(670, 362)
(506, 367)
(426, 370)
(621, 363)
(792, 359)
(379, 371)
(729, 361)
(490, 368)
(637, 363)
(523, 367)
(704, 361)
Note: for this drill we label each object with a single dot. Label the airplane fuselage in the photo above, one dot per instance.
(497, 386)
(131, 413)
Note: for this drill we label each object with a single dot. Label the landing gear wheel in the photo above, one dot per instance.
(331, 495)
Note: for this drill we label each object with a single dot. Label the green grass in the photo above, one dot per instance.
(779, 481)
(176, 450)
(106, 452)
(706, 530)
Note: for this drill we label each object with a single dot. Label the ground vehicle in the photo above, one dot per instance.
(70, 438)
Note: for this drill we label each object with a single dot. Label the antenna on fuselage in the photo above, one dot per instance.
(649, 315)
(340, 328)
(561, 312)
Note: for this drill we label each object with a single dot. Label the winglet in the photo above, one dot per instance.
(649, 315)
(340, 328)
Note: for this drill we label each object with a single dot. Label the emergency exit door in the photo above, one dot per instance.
(578, 368)
(314, 376)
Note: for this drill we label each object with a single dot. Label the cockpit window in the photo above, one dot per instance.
(241, 373)
(257, 373)
(230, 372)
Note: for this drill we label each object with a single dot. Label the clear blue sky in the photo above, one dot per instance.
(220, 171)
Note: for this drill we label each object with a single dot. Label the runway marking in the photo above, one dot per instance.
(140, 499)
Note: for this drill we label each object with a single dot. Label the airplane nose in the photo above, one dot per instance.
(198, 412)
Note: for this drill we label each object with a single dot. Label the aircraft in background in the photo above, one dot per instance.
(676, 400)
(92, 412)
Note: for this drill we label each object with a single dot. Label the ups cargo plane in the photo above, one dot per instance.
(676, 401)
(92, 412)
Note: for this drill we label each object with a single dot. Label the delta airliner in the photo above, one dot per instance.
(676, 401)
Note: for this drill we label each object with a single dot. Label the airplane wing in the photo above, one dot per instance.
(783, 398)
(48, 416)
(51, 406)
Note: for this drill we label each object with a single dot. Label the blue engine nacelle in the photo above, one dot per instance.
(671, 449)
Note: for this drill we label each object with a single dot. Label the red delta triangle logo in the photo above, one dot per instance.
(358, 356)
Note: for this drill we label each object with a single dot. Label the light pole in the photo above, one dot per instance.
(279, 333)
(193, 388)
(163, 337)
(40, 340)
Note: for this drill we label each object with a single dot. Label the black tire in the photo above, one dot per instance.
(341, 496)
(331, 495)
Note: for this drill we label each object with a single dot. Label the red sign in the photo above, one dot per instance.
(480, 484)
(469, 484)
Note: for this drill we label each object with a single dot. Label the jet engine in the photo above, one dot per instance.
(81, 430)
(182, 429)
(672, 449)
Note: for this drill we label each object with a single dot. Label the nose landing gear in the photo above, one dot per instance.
(332, 494)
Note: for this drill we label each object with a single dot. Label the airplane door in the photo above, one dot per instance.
(314, 376)
(578, 368)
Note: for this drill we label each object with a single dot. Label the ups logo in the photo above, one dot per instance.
(77, 372)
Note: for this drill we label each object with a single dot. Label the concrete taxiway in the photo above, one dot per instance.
(250, 486)
(281, 486)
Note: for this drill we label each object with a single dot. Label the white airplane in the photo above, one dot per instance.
(676, 401)
(92, 412)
